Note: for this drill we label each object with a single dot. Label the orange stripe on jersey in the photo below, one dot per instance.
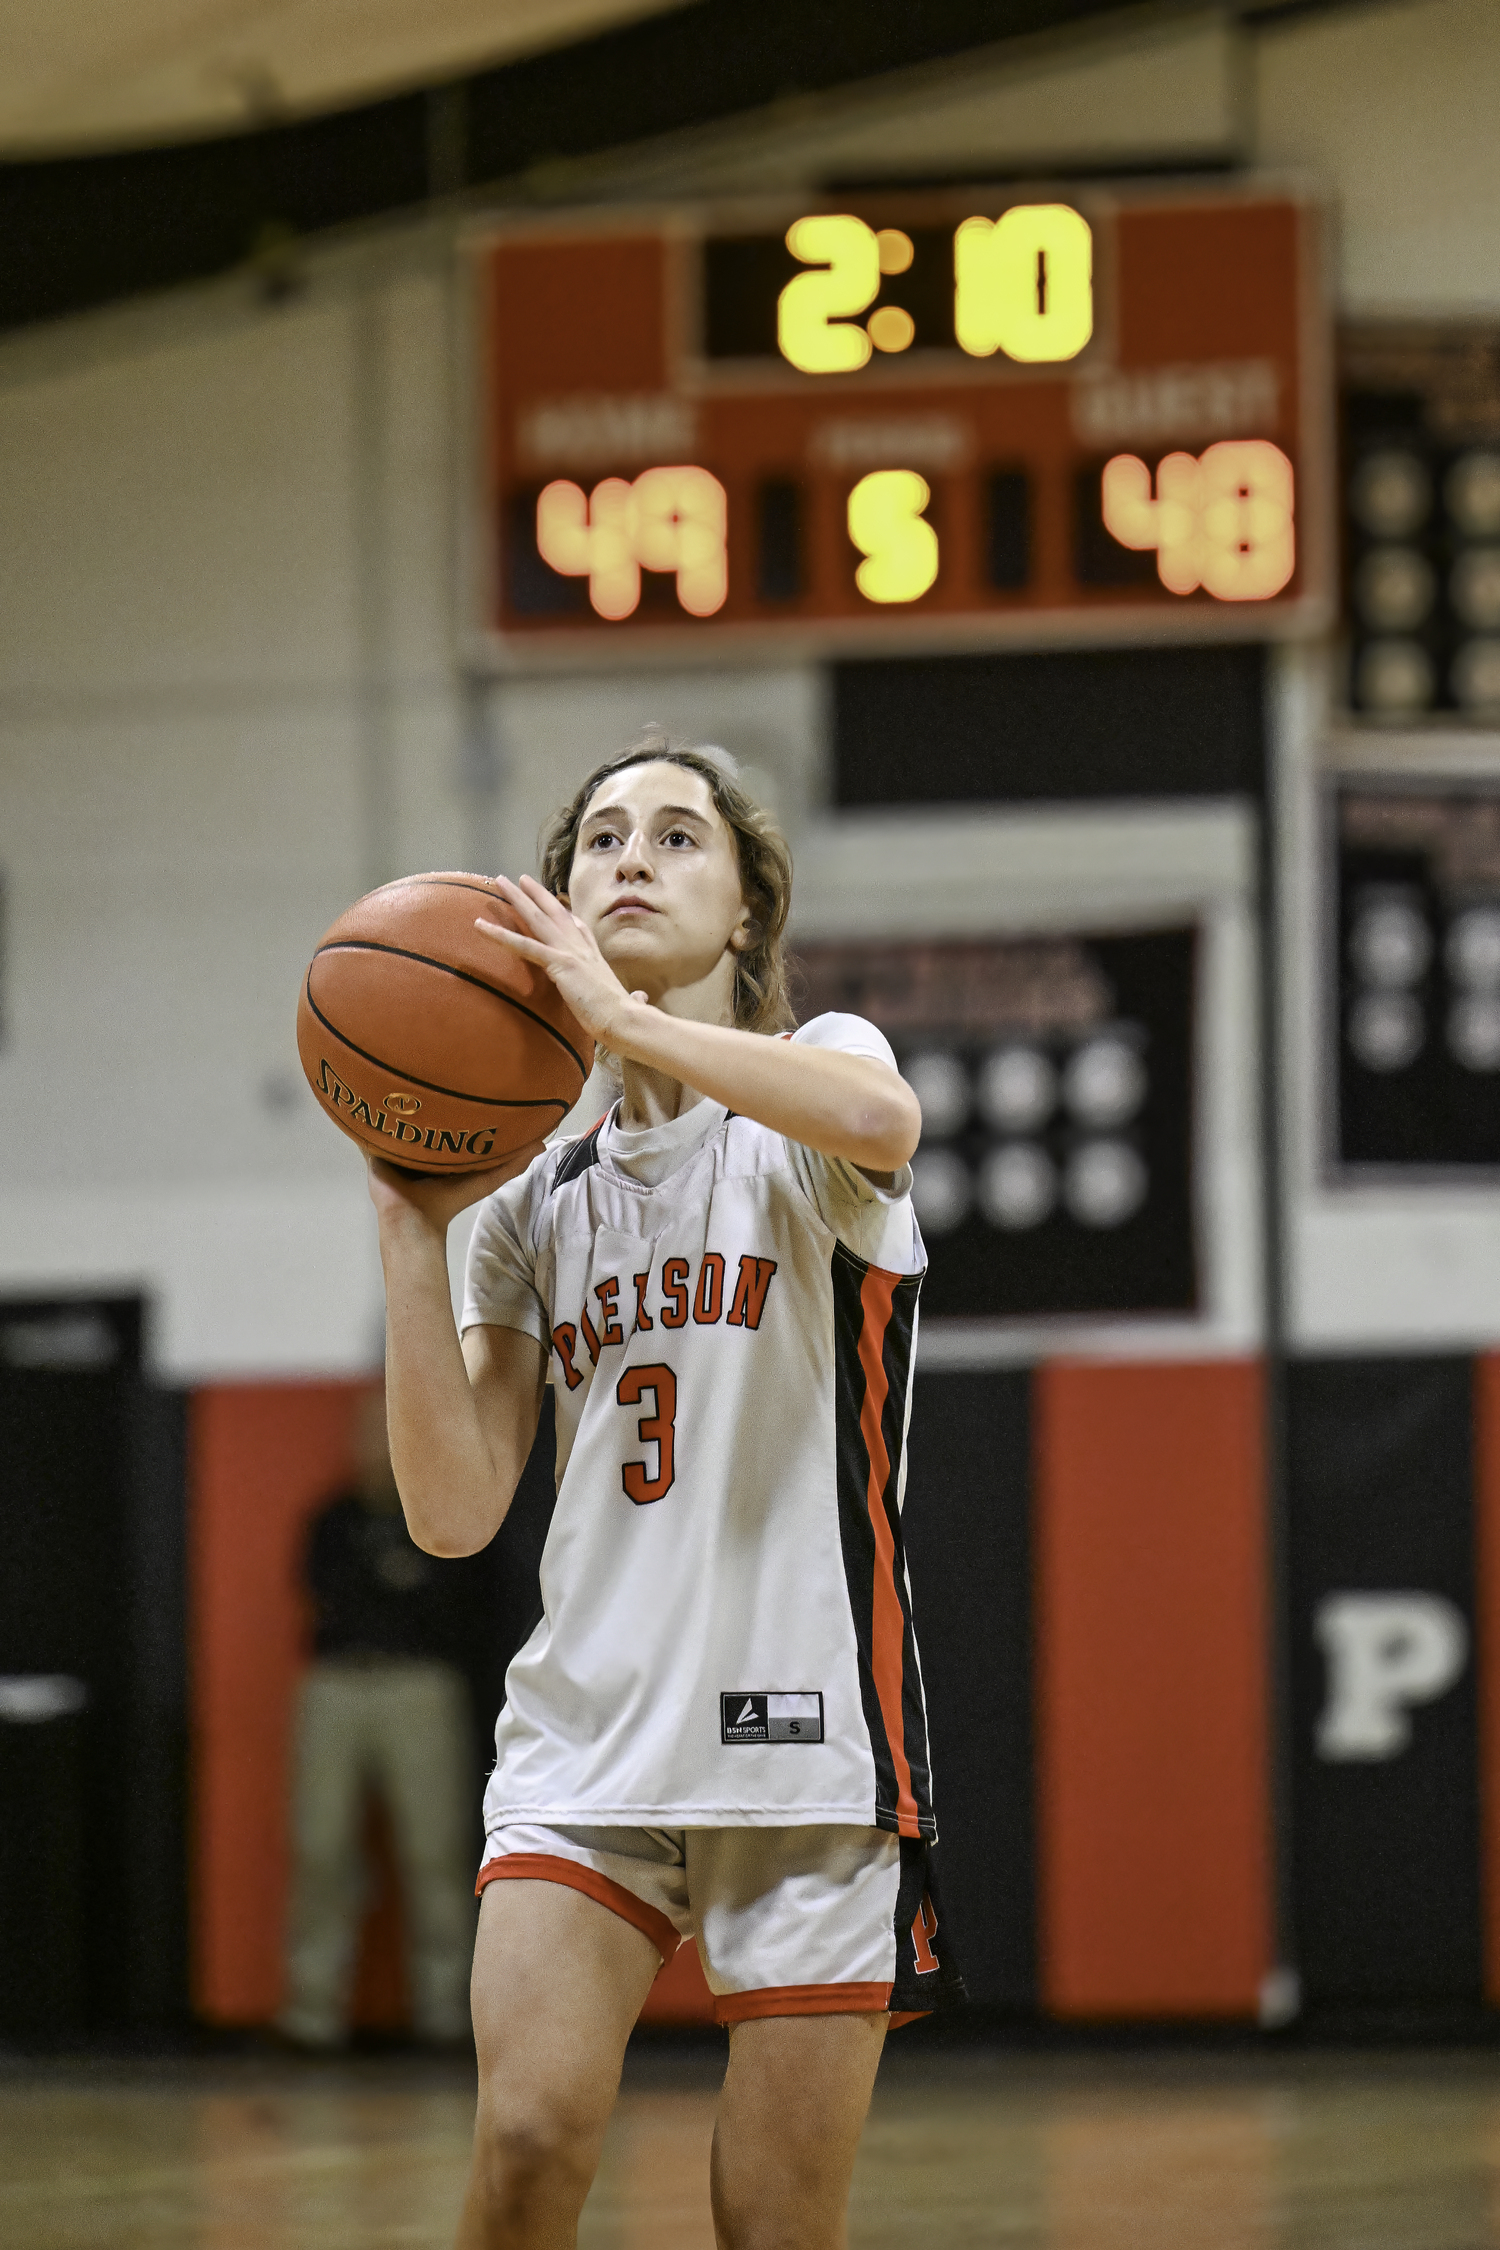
(888, 1624)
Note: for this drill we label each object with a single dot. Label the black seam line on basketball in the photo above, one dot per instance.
(496, 992)
(450, 1093)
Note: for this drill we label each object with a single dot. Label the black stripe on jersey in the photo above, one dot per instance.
(874, 1330)
(579, 1157)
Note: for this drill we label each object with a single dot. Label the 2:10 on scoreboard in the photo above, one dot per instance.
(842, 417)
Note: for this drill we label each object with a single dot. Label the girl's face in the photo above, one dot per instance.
(656, 877)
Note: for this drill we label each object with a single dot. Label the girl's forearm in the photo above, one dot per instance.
(444, 1471)
(847, 1106)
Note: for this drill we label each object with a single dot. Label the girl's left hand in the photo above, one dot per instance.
(558, 943)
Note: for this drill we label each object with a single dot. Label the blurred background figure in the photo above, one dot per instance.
(383, 1709)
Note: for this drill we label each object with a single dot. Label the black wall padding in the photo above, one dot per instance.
(1385, 1849)
(968, 1542)
(1080, 723)
(513, 1562)
(71, 1783)
(153, 1868)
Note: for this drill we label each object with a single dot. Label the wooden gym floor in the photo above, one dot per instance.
(1184, 2151)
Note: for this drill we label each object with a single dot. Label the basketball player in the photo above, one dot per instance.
(717, 1728)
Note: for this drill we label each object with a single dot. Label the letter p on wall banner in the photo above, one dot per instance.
(1389, 1884)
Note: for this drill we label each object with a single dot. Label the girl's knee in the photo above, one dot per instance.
(533, 2154)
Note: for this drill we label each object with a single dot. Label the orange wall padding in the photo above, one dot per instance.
(1152, 1789)
(261, 1458)
(1487, 1652)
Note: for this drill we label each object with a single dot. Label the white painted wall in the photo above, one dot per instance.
(181, 802)
(229, 695)
(1394, 107)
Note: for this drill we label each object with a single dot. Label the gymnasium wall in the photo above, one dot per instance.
(233, 694)
(1089, 1559)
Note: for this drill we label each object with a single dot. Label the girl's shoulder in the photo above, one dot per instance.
(847, 1035)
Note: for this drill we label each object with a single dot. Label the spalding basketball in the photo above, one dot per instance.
(427, 1042)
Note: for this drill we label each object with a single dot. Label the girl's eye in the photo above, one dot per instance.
(602, 836)
(678, 836)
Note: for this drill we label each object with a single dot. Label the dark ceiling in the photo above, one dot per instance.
(77, 232)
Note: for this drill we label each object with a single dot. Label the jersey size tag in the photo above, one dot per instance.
(759, 1716)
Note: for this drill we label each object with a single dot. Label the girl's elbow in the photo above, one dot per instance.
(906, 1125)
(435, 1536)
(892, 1135)
(446, 1544)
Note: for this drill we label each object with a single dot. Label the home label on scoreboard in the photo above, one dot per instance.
(950, 418)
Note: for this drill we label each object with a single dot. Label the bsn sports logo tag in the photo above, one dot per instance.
(760, 1715)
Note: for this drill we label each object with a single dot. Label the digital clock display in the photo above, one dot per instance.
(1022, 284)
(968, 416)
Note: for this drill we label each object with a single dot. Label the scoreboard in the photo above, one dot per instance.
(950, 417)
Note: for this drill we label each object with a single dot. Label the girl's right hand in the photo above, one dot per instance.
(438, 1198)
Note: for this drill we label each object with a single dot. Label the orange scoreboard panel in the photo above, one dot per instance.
(945, 417)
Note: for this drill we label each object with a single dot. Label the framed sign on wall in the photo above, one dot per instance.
(1055, 1172)
(950, 417)
(1420, 479)
(1413, 981)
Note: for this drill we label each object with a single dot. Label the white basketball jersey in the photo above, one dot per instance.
(726, 1636)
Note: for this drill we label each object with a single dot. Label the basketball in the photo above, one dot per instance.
(426, 1042)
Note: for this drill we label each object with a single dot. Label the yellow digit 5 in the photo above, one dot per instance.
(812, 311)
(1024, 286)
(886, 524)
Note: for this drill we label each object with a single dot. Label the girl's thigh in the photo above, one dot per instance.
(558, 1983)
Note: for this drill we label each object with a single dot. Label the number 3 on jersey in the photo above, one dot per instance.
(652, 1429)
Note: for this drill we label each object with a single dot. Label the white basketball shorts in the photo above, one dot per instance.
(797, 1921)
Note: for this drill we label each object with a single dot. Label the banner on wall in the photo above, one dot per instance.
(1414, 979)
(1386, 1496)
(1056, 1077)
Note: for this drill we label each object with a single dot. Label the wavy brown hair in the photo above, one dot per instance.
(761, 1001)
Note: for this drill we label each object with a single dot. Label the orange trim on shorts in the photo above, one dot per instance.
(547, 1867)
(802, 2000)
(908, 2015)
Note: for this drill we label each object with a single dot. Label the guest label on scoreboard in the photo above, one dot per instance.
(953, 417)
